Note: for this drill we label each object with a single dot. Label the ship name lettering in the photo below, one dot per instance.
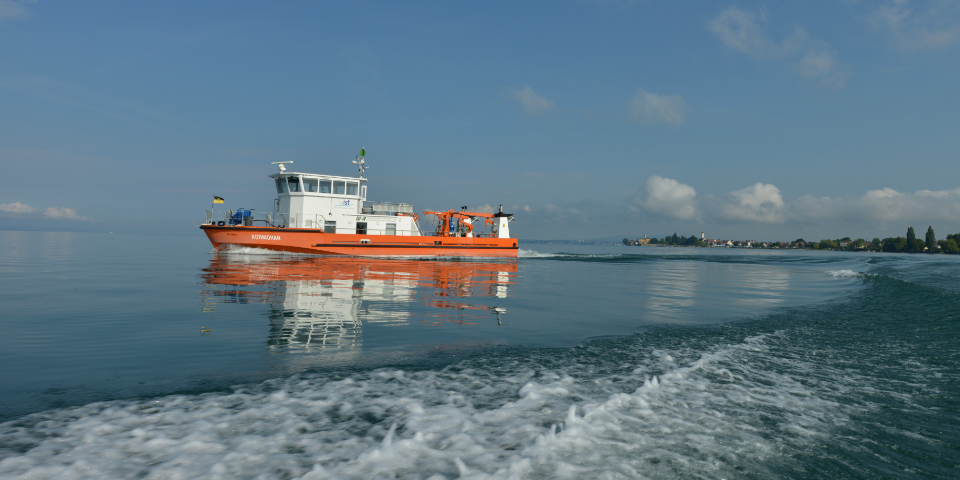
(266, 237)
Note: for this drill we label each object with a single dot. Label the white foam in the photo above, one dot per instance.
(843, 273)
(244, 250)
(524, 253)
(653, 417)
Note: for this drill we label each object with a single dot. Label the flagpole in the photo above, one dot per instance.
(216, 200)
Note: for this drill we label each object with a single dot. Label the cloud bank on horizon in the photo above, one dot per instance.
(763, 204)
(58, 213)
(666, 205)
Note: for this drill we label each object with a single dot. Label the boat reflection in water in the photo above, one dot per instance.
(325, 302)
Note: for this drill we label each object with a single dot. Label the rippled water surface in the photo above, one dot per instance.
(151, 357)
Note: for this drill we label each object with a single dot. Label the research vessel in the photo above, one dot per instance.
(330, 215)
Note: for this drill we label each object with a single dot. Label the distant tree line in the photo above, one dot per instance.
(691, 241)
(908, 244)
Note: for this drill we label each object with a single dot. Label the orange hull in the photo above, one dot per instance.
(308, 240)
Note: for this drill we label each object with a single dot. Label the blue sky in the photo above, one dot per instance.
(760, 120)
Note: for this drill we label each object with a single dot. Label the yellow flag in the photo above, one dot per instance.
(217, 199)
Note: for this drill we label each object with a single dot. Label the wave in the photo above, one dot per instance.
(668, 404)
(710, 256)
(524, 253)
(843, 273)
(244, 250)
(866, 380)
(463, 421)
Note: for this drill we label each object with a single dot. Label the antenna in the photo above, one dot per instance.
(498, 310)
(360, 162)
(280, 165)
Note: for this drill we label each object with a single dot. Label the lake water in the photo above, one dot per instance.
(126, 356)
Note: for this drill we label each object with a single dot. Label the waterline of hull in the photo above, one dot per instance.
(312, 241)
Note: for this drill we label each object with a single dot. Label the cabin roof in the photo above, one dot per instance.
(319, 175)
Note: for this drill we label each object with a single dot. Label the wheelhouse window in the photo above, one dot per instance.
(361, 228)
(339, 187)
(352, 188)
(310, 185)
(391, 229)
(281, 185)
(294, 184)
(324, 186)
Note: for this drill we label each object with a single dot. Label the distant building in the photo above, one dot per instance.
(644, 240)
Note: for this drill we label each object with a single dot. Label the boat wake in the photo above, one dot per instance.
(244, 250)
(524, 253)
(843, 273)
(478, 419)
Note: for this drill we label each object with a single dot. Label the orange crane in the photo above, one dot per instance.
(447, 221)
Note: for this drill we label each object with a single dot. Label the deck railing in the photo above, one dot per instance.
(316, 221)
(288, 220)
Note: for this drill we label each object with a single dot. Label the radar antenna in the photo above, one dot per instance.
(360, 162)
(280, 165)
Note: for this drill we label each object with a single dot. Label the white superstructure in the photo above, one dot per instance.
(337, 205)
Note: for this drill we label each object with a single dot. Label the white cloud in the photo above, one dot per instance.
(485, 209)
(821, 63)
(16, 207)
(745, 31)
(882, 206)
(941, 194)
(532, 103)
(816, 64)
(669, 198)
(11, 9)
(646, 107)
(761, 203)
(910, 26)
(52, 212)
(64, 214)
